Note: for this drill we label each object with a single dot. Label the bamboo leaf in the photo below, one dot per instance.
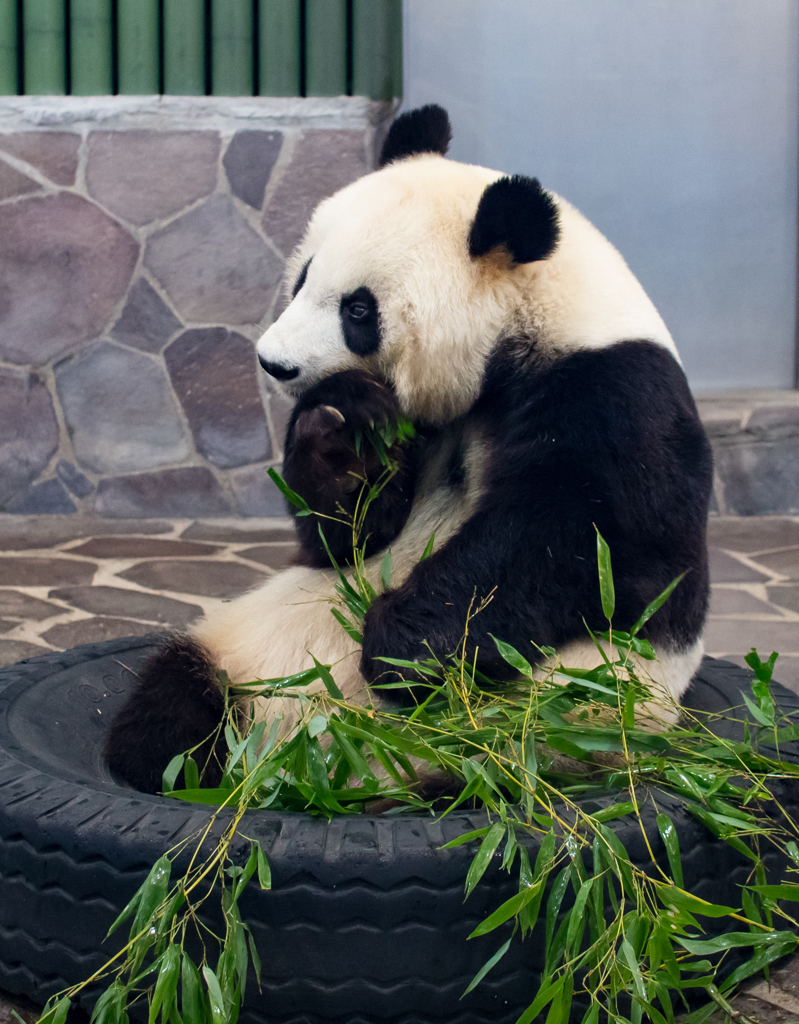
(191, 773)
(483, 856)
(735, 940)
(503, 949)
(291, 496)
(761, 959)
(192, 998)
(167, 983)
(217, 1000)
(510, 908)
(467, 837)
(671, 841)
(659, 601)
(171, 772)
(546, 994)
(606, 589)
(153, 894)
(327, 679)
(513, 658)
(428, 551)
(614, 811)
(264, 871)
(673, 897)
(577, 920)
(352, 631)
(786, 891)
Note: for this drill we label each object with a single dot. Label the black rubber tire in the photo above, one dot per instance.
(366, 923)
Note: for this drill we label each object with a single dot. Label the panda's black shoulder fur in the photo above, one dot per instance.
(607, 438)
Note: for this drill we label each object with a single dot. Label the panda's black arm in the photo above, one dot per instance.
(326, 467)
(608, 437)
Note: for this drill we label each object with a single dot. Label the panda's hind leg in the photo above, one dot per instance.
(177, 705)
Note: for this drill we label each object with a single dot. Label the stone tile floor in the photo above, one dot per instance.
(67, 580)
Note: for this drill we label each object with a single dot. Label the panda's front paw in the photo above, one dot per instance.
(322, 449)
(395, 627)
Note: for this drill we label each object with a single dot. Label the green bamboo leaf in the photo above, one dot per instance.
(546, 994)
(192, 997)
(254, 957)
(606, 588)
(483, 856)
(428, 551)
(556, 894)
(166, 985)
(467, 837)
(659, 601)
(171, 772)
(510, 908)
(327, 679)
(671, 841)
(316, 725)
(129, 909)
(632, 962)
(220, 797)
(763, 957)
(756, 713)
(352, 631)
(264, 871)
(591, 1015)
(217, 1000)
(56, 1014)
(291, 496)
(513, 658)
(620, 864)
(503, 949)
(153, 894)
(614, 811)
(191, 773)
(735, 940)
(385, 569)
(578, 920)
(673, 897)
(247, 873)
(357, 761)
(786, 891)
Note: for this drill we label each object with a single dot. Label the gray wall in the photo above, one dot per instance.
(672, 124)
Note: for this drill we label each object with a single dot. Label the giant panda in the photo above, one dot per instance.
(548, 400)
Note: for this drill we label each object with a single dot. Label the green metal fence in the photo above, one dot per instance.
(201, 47)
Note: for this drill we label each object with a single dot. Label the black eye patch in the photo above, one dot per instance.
(360, 321)
(301, 279)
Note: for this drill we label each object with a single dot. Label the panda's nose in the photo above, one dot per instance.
(277, 371)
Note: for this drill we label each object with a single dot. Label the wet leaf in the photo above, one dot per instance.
(606, 589)
(503, 949)
(483, 856)
(671, 841)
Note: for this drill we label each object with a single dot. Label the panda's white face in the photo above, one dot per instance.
(383, 281)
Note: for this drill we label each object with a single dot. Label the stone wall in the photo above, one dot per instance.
(142, 244)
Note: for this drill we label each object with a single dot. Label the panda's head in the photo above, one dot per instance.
(416, 270)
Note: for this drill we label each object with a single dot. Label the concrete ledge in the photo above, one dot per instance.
(219, 113)
(755, 438)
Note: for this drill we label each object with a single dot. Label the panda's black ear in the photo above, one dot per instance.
(518, 214)
(426, 130)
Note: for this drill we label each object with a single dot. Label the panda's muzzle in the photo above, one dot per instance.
(278, 371)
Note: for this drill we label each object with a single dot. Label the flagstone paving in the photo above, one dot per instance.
(65, 580)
